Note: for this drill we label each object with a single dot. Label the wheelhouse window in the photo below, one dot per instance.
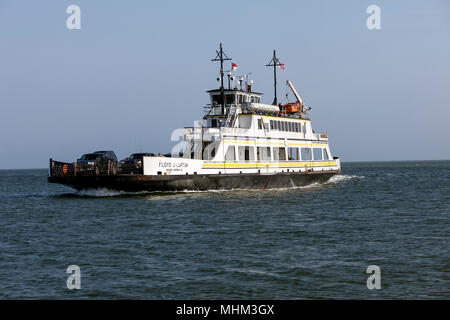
(214, 123)
(230, 99)
(325, 154)
(254, 99)
(216, 99)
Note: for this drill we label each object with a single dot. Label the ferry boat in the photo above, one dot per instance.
(241, 143)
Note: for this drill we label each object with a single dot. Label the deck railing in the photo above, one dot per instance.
(60, 169)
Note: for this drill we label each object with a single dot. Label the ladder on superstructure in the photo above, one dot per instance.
(231, 117)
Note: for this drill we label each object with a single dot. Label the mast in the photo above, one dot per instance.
(274, 63)
(221, 56)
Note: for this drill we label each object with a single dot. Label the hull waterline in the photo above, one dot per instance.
(194, 182)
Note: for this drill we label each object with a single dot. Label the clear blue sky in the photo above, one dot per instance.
(139, 69)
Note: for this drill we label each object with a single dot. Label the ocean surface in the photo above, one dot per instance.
(313, 242)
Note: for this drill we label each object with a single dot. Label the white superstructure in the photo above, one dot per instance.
(241, 135)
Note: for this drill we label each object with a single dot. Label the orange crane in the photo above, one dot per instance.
(294, 107)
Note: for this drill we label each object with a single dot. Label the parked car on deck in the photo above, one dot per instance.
(133, 164)
(98, 162)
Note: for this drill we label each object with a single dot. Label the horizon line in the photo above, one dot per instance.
(352, 161)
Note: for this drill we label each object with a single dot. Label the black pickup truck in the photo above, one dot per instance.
(98, 162)
(133, 164)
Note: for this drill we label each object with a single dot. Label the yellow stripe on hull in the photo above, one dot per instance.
(271, 164)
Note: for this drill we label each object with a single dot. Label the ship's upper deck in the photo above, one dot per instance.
(226, 104)
(232, 97)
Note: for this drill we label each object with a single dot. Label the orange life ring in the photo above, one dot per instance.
(65, 167)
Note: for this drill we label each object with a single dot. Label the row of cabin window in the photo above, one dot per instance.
(280, 125)
(264, 153)
(307, 154)
(231, 98)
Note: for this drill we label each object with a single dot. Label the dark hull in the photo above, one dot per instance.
(194, 182)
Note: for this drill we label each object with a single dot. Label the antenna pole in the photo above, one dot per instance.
(222, 96)
(274, 63)
(275, 78)
(221, 56)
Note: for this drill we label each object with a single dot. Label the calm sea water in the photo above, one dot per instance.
(310, 242)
